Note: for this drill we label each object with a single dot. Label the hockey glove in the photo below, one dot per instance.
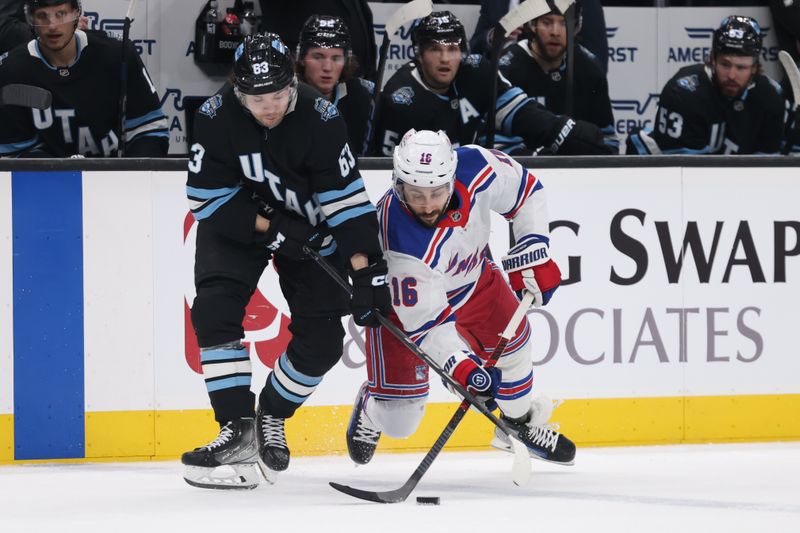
(370, 294)
(530, 269)
(577, 137)
(287, 235)
(467, 369)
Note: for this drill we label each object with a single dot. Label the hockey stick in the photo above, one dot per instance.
(528, 10)
(519, 448)
(794, 81)
(25, 96)
(123, 80)
(568, 8)
(520, 469)
(415, 9)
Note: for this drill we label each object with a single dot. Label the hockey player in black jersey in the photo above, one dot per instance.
(325, 61)
(82, 71)
(538, 66)
(443, 88)
(725, 106)
(271, 171)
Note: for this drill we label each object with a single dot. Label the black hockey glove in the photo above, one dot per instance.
(370, 294)
(287, 235)
(577, 137)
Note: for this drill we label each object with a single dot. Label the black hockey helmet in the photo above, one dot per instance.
(262, 64)
(324, 31)
(738, 35)
(441, 27)
(32, 5)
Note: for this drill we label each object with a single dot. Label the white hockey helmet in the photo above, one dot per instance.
(424, 158)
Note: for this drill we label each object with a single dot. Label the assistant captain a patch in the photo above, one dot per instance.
(326, 109)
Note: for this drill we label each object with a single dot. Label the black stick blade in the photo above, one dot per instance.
(389, 496)
(25, 96)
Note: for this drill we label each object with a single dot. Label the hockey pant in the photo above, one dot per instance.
(226, 276)
(398, 379)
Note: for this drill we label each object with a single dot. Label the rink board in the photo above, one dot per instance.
(96, 279)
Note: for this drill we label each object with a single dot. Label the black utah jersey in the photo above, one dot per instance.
(353, 98)
(590, 88)
(407, 103)
(83, 117)
(303, 167)
(693, 117)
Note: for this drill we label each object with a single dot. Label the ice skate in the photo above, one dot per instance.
(228, 462)
(362, 437)
(273, 452)
(541, 438)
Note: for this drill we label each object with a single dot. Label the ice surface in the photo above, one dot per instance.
(703, 488)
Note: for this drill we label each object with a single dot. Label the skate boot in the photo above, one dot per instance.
(273, 452)
(362, 437)
(228, 462)
(542, 439)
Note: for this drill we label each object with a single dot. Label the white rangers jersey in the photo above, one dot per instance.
(434, 271)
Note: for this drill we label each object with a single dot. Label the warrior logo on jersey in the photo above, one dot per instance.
(473, 60)
(689, 83)
(326, 109)
(403, 96)
(210, 106)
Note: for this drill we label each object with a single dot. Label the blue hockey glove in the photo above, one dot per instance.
(468, 370)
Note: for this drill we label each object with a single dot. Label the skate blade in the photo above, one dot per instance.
(228, 477)
(270, 476)
(498, 444)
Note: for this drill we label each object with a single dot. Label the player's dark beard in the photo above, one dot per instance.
(541, 49)
(739, 88)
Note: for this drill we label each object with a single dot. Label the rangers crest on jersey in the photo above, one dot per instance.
(210, 106)
(326, 109)
(403, 96)
(690, 83)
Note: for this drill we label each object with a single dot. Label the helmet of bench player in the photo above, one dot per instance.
(738, 35)
(440, 27)
(32, 6)
(324, 31)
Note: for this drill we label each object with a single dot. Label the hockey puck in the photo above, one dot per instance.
(428, 500)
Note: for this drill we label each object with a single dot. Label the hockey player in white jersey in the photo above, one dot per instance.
(450, 297)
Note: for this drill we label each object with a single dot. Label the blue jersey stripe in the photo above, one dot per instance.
(48, 315)
(347, 214)
(132, 123)
(328, 196)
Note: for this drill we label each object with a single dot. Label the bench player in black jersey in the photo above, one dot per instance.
(538, 66)
(82, 71)
(269, 172)
(444, 88)
(725, 106)
(325, 61)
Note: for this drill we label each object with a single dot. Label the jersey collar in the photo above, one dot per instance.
(457, 218)
(81, 41)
